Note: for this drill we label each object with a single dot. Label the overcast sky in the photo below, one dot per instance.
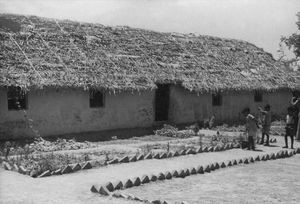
(261, 22)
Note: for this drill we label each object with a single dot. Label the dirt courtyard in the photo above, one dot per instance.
(264, 182)
(278, 179)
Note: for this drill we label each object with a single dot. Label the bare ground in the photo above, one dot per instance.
(74, 188)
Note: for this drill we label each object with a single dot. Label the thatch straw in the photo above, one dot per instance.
(40, 52)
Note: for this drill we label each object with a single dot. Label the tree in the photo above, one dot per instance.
(293, 41)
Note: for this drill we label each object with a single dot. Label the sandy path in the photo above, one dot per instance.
(74, 188)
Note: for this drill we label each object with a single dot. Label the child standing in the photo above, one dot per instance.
(251, 128)
(266, 123)
(290, 127)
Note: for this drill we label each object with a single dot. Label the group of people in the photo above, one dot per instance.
(292, 123)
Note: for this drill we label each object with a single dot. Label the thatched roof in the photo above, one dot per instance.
(39, 52)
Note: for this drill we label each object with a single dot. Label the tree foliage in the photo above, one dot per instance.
(293, 41)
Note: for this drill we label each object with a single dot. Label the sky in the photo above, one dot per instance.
(261, 22)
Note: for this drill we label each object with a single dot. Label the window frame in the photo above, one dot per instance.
(258, 96)
(96, 104)
(217, 99)
(12, 94)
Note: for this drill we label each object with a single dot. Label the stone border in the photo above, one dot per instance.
(70, 168)
(109, 188)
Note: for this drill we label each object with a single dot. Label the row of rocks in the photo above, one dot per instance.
(75, 167)
(164, 155)
(109, 188)
(64, 170)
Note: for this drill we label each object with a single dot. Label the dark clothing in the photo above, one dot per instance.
(251, 143)
(290, 131)
(286, 141)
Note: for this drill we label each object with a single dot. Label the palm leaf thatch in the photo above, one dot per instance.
(39, 52)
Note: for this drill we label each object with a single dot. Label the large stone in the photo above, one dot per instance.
(176, 154)
(16, 168)
(187, 172)
(148, 156)
(113, 161)
(222, 165)
(22, 170)
(231, 145)
(298, 150)
(76, 167)
(267, 157)
(217, 166)
(145, 179)
(257, 158)
(193, 170)
(190, 151)
(161, 176)
(94, 189)
(205, 149)
(240, 161)
(277, 155)
(245, 161)
(272, 156)
(136, 181)
(236, 145)
(175, 173)
(66, 170)
(199, 150)
(234, 162)
(153, 178)
(124, 159)
(200, 170)
(118, 185)
(103, 191)
(156, 156)
(128, 183)
(117, 195)
(182, 152)
(168, 175)
(170, 154)
(181, 173)
(207, 169)
(291, 153)
(216, 149)
(109, 186)
(132, 159)
(140, 157)
(210, 149)
(163, 155)
(263, 158)
(229, 163)
(45, 173)
(227, 146)
(87, 165)
(212, 167)
(34, 173)
(7, 166)
(156, 202)
(251, 159)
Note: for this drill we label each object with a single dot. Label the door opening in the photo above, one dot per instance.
(162, 97)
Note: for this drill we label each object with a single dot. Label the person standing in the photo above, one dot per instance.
(296, 104)
(251, 128)
(290, 127)
(266, 124)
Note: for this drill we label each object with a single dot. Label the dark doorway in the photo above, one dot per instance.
(162, 97)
